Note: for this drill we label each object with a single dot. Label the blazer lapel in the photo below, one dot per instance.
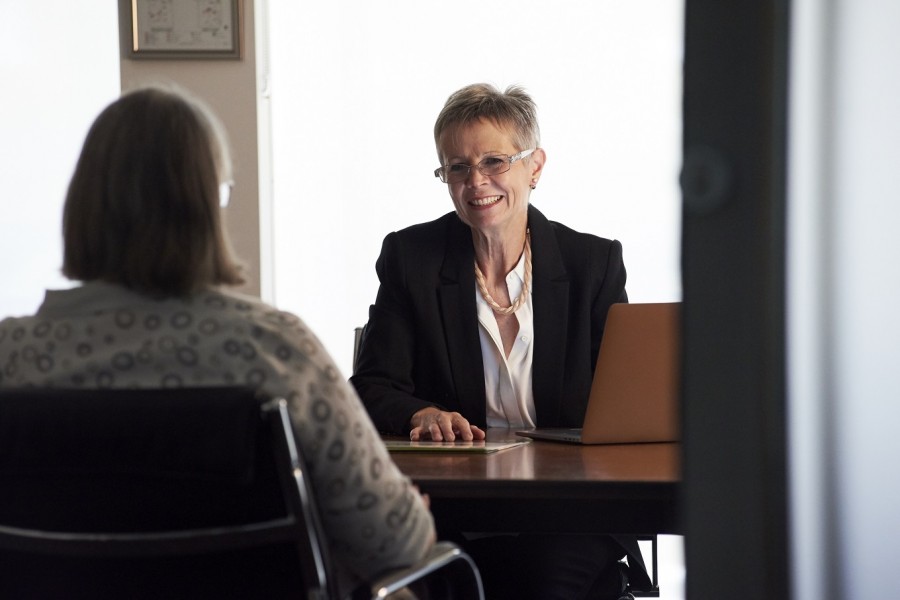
(456, 296)
(551, 318)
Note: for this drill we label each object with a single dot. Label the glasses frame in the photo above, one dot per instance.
(441, 173)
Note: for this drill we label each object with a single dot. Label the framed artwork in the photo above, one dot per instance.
(194, 29)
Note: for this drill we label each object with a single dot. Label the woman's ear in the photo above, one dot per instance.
(538, 158)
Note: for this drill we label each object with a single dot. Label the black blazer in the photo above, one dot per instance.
(421, 345)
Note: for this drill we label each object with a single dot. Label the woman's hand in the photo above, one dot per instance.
(438, 425)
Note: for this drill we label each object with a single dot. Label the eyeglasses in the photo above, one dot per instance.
(488, 166)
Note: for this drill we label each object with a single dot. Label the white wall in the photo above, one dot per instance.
(844, 288)
(354, 107)
(357, 85)
(59, 64)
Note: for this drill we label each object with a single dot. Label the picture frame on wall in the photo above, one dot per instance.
(186, 29)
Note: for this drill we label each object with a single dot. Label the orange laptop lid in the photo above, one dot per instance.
(635, 390)
(634, 395)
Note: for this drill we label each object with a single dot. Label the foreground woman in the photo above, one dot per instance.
(143, 237)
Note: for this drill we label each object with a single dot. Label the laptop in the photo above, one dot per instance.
(634, 393)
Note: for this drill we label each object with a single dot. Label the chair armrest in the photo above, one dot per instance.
(465, 581)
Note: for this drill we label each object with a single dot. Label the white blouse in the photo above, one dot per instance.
(507, 380)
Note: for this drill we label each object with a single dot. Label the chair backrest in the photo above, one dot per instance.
(194, 492)
(358, 333)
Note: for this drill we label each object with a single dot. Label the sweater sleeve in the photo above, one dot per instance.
(373, 516)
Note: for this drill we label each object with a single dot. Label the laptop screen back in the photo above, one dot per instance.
(634, 394)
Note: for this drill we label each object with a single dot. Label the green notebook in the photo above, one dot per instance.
(475, 446)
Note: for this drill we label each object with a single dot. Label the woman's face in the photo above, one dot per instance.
(490, 204)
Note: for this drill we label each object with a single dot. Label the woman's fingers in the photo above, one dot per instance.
(443, 426)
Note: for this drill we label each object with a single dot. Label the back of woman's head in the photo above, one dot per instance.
(142, 208)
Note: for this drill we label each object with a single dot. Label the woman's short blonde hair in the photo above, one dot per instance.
(513, 109)
(143, 207)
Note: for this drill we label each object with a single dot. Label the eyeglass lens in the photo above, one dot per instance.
(491, 165)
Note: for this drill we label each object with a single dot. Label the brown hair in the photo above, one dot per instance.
(512, 108)
(142, 209)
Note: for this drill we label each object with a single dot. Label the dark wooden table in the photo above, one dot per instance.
(552, 487)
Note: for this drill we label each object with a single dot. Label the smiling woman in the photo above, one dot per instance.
(441, 361)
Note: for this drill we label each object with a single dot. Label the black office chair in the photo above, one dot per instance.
(187, 493)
